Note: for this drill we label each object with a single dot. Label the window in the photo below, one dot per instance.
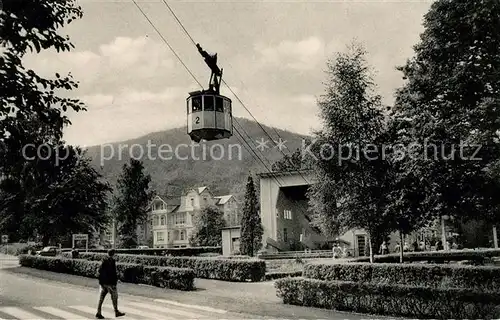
(192, 202)
(159, 206)
(155, 220)
(162, 220)
(208, 103)
(227, 106)
(182, 235)
(159, 236)
(168, 236)
(180, 218)
(196, 104)
(219, 104)
(285, 235)
(287, 214)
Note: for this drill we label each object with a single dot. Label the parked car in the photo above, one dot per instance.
(48, 251)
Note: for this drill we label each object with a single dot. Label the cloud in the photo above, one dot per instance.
(131, 113)
(120, 62)
(126, 114)
(299, 55)
(294, 112)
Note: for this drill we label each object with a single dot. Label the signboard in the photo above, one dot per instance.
(78, 238)
(5, 238)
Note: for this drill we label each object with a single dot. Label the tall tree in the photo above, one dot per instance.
(350, 171)
(33, 25)
(60, 193)
(131, 201)
(450, 106)
(404, 197)
(251, 224)
(33, 112)
(208, 226)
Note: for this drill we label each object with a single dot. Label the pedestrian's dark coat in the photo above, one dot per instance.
(107, 272)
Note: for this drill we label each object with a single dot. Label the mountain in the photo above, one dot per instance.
(176, 164)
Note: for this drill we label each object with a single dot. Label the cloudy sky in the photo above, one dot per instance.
(273, 53)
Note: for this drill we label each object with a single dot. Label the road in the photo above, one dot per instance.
(29, 294)
(22, 297)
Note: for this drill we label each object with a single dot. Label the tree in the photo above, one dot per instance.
(293, 162)
(404, 197)
(251, 225)
(450, 106)
(131, 201)
(33, 25)
(350, 172)
(55, 197)
(32, 112)
(208, 227)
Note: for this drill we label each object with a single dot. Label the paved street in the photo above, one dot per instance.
(27, 298)
(30, 294)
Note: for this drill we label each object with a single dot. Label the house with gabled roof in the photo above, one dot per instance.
(172, 221)
(229, 206)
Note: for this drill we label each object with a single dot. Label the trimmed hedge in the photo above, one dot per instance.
(456, 276)
(176, 252)
(239, 270)
(297, 255)
(164, 277)
(393, 300)
(479, 256)
(282, 274)
(16, 249)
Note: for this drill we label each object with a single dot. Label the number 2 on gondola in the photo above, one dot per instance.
(197, 120)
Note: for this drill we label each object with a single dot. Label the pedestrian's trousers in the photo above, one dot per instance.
(104, 291)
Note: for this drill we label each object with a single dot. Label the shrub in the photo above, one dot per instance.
(16, 249)
(208, 268)
(457, 276)
(297, 255)
(164, 277)
(436, 256)
(176, 252)
(237, 258)
(393, 300)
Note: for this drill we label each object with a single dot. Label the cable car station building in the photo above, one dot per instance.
(286, 218)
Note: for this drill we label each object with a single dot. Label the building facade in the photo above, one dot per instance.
(286, 219)
(173, 225)
(231, 240)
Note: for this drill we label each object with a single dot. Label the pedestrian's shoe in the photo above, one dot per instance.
(99, 316)
(119, 314)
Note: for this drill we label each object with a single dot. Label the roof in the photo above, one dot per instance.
(284, 173)
(201, 189)
(172, 202)
(223, 199)
(232, 227)
(156, 198)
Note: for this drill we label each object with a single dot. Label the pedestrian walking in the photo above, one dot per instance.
(108, 279)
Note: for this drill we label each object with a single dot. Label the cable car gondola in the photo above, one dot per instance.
(209, 114)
